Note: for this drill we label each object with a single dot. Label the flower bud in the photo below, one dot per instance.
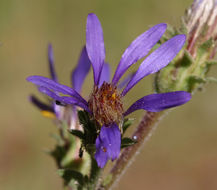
(188, 71)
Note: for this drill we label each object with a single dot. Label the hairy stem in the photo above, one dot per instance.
(142, 134)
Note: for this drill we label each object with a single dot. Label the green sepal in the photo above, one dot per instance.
(205, 47)
(126, 141)
(90, 148)
(77, 133)
(72, 178)
(171, 32)
(58, 139)
(126, 124)
(87, 124)
(186, 60)
(194, 80)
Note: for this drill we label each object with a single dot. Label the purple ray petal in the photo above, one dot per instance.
(105, 74)
(138, 49)
(159, 102)
(157, 60)
(101, 155)
(111, 137)
(123, 82)
(51, 63)
(95, 45)
(63, 99)
(40, 104)
(48, 83)
(80, 72)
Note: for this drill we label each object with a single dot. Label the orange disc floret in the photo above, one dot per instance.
(106, 104)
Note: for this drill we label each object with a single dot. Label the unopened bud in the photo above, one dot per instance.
(188, 71)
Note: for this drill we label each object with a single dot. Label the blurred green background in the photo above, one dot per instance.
(182, 154)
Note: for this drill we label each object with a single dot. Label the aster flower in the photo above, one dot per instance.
(54, 109)
(105, 104)
(51, 109)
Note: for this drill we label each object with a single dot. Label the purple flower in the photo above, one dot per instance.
(51, 109)
(78, 76)
(106, 101)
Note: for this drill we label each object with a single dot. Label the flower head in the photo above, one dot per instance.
(55, 109)
(106, 101)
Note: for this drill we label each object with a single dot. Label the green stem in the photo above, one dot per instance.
(142, 134)
(94, 175)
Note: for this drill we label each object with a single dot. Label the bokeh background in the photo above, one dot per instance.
(182, 154)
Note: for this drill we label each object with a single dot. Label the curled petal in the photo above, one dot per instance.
(39, 104)
(51, 63)
(157, 60)
(95, 45)
(159, 102)
(81, 71)
(105, 75)
(138, 49)
(63, 99)
(52, 85)
(108, 144)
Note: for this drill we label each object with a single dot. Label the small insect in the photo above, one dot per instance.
(81, 151)
(59, 103)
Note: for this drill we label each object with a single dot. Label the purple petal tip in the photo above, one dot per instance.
(95, 45)
(181, 38)
(159, 102)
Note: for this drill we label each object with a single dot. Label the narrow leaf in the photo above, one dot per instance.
(77, 133)
(127, 123)
(126, 141)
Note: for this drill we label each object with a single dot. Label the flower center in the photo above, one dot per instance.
(106, 104)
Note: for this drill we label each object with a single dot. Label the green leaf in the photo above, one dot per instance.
(77, 133)
(58, 154)
(126, 141)
(211, 79)
(127, 122)
(71, 176)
